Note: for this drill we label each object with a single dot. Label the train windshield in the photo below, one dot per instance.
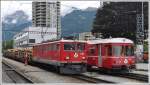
(129, 51)
(69, 46)
(117, 50)
(80, 46)
(74, 46)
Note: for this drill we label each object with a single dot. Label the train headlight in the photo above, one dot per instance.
(133, 61)
(67, 57)
(83, 57)
(125, 61)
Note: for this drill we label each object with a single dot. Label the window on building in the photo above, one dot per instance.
(31, 40)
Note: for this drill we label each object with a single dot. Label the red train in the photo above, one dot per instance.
(111, 54)
(69, 56)
(73, 57)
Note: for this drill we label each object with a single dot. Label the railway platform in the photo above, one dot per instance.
(142, 66)
(39, 75)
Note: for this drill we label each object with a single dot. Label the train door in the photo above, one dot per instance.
(99, 56)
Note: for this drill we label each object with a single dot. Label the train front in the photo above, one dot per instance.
(73, 56)
(120, 55)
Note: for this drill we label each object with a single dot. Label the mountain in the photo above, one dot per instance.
(78, 21)
(14, 23)
(75, 22)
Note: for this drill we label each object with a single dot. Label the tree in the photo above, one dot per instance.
(7, 44)
(118, 19)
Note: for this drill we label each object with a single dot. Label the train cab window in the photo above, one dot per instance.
(69, 46)
(80, 46)
(129, 51)
(117, 50)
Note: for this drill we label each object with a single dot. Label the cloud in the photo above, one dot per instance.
(69, 6)
(9, 7)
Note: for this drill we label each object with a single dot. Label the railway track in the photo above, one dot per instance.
(91, 79)
(80, 76)
(138, 77)
(142, 70)
(14, 74)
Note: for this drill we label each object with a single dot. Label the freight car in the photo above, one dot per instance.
(18, 53)
(111, 55)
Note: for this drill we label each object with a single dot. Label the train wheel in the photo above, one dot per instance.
(88, 68)
(58, 69)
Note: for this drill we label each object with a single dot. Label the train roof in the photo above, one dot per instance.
(62, 40)
(111, 40)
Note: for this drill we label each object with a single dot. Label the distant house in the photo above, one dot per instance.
(86, 36)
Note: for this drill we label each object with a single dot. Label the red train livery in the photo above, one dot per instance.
(111, 54)
(69, 56)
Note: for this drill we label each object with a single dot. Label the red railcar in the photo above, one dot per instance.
(111, 54)
(69, 56)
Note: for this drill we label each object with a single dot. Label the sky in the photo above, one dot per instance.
(9, 7)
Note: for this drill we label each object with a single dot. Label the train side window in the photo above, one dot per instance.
(103, 50)
(55, 47)
(92, 51)
(58, 47)
(109, 50)
(117, 50)
(50, 47)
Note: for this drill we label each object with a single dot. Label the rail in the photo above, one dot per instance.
(15, 75)
(91, 79)
(138, 77)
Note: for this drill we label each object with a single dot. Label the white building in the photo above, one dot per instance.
(46, 14)
(86, 36)
(45, 24)
(32, 35)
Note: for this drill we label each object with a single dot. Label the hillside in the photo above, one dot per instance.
(14, 23)
(75, 22)
(78, 21)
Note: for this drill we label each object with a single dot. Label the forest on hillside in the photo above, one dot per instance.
(118, 19)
